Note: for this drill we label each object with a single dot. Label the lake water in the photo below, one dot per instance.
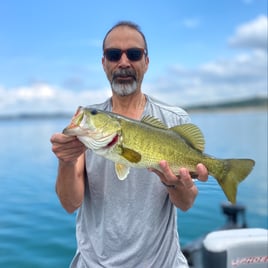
(36, 232)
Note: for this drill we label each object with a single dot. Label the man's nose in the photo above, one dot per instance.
(124, 61)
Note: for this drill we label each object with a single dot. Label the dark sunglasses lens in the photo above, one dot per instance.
(134, 54)
(113, 54)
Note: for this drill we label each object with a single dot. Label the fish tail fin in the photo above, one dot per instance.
(234, 171)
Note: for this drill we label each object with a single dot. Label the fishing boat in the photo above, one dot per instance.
(234, 245)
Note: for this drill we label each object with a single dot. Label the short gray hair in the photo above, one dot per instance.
(131, 25)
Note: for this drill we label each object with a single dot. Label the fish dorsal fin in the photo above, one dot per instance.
(192, 135)
(121, 171)
(155, 122)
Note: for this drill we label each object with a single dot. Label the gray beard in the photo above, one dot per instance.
(124, 89)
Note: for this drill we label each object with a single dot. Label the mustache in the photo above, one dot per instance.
(124, 73)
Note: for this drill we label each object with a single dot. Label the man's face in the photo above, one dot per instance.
(125, 75)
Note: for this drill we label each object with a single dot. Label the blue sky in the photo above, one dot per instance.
(200, 51)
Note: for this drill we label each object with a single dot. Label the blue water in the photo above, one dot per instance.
(36, 232)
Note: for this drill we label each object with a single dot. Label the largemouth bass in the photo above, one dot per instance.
(143, 144)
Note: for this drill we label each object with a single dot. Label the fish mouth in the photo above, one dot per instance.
(72, 130)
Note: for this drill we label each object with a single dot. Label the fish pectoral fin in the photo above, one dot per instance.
(121, 171)
(131, 155)
(191, 134)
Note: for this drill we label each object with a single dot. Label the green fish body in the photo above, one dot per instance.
(143, 144)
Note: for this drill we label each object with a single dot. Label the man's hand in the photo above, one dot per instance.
(184, 177)
(181, 188)
(66, 148)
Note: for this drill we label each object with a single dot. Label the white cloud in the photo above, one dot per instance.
(44, 98)
(252, 34)
(242, 76)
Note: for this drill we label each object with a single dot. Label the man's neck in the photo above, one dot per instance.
(131, 106)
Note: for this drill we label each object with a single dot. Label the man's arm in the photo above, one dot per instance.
(70, 184)
(184, 192)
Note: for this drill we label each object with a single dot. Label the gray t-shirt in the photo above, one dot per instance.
(130, 223)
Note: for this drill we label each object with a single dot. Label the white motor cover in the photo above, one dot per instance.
(239, 247)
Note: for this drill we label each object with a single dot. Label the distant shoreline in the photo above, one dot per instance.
(260, 103)
(257, 103)
(192, 110)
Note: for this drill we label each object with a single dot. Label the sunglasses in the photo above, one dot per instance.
(115, 54)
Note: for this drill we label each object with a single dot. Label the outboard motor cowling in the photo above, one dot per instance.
(236, 248)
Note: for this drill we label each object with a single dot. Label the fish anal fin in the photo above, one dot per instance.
(121, 171)
(131, 155)
(191, 134)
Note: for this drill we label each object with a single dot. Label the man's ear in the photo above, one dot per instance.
(103, 63)
(147, 61)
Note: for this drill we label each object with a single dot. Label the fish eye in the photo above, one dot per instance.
(94, 112)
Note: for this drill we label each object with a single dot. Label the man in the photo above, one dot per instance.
(130, 223)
